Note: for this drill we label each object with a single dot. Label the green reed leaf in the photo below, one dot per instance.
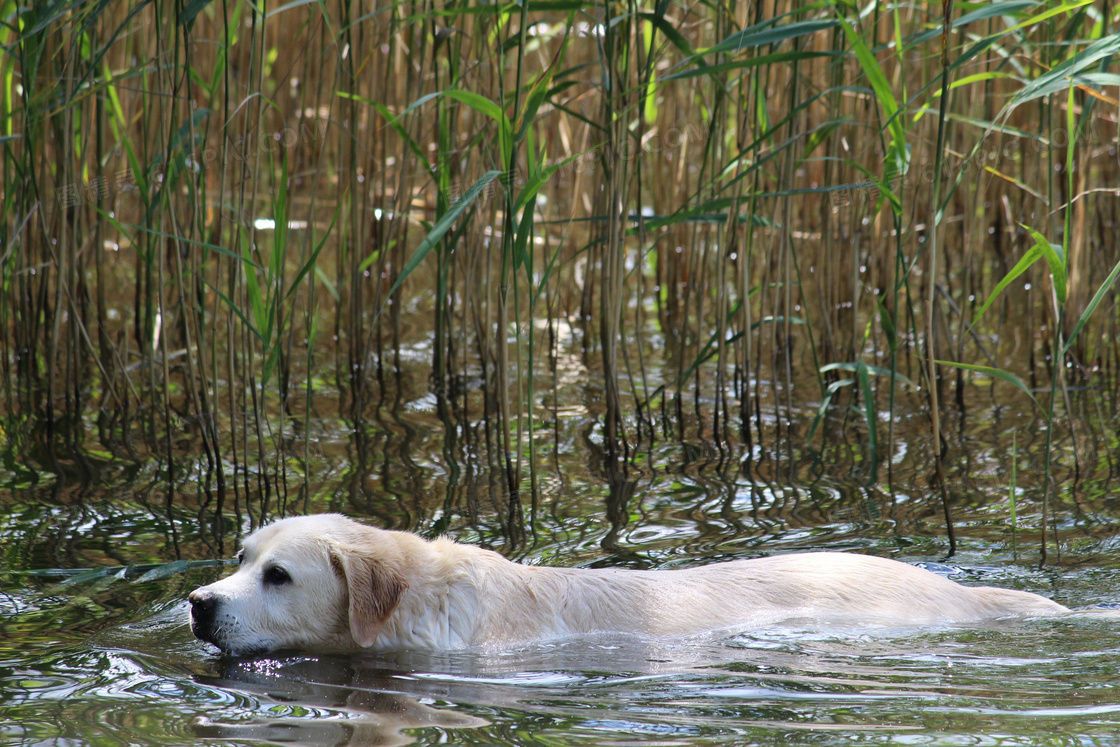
(996, 373)
(1098, 297)
(442, 226)
(1055, 258)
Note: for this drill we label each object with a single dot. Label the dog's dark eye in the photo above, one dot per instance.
(240, 557)
(274, 575)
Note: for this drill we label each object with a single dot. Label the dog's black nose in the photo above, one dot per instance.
(203, 605)
(204, 611)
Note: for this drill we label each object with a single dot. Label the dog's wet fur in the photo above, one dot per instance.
(325, 582)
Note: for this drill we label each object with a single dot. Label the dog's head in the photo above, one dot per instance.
(320, 582)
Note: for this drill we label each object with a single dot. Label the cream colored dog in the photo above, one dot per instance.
(326, 582)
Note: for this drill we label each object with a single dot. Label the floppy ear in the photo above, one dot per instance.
(374, 590)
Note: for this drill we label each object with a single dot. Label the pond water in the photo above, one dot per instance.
(95, 647)
(147, 683)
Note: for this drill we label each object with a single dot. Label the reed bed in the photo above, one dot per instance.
(752, 217)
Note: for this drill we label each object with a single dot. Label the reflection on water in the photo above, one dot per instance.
(328, 700)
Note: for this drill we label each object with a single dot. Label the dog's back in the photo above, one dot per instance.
(513, 602)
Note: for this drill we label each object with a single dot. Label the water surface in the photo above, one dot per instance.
(95, 647)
